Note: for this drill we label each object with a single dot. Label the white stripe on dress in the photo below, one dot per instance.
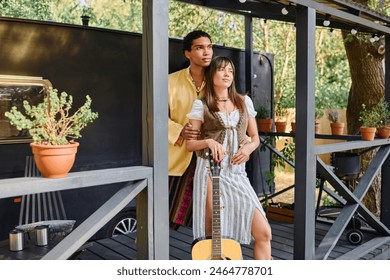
(238, 197)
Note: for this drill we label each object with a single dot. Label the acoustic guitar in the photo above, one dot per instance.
(216, 248)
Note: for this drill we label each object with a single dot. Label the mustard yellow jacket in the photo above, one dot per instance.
(181, 96)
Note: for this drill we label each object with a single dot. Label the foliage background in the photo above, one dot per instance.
(278, 38)
(334, 82)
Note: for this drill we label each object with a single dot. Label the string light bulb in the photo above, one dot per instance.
(326, 20)
(376, 38)
(284, 11)
(242, 1)
(330, 32)
(372, 39)
(265, 22)
(353, 31)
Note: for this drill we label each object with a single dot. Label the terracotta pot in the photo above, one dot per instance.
(367, 133)
(281, 126)
(293, 127)
(54, 161)
(337, 128)
(264, 125)
(383, 132)
(317, 127)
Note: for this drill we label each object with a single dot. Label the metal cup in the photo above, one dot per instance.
(41, 235)
(16, 240)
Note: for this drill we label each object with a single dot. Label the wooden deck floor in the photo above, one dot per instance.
(123, 247)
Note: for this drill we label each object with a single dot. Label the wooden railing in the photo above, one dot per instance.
(352, 199)
(139, 182)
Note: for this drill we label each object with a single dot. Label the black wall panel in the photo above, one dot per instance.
(106, 65)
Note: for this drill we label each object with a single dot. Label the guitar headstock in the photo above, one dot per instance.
(215, 167)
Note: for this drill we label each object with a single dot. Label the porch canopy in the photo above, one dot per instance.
(306, 14)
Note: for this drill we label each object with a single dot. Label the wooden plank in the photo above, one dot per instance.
(350, 145)
(281, 255)
(120, 248)
(182, 236)
(365, 248)
(179, 243)
(283, 233)
(179, 253)
(185, 230)
(380, 253)
(280, 213)
(30, 251)
(282, 244)
(74, 180)
(89, 255)
(129, 240)
(104, 252)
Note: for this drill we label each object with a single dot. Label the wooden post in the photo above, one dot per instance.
(305, 167)
(155, 120)
(385, 191)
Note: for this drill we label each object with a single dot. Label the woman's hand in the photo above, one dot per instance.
(217, 150)
(242, 155)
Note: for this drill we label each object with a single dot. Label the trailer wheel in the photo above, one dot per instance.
(123, 223)
(355, 236)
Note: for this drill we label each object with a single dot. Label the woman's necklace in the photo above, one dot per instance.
(222, 99)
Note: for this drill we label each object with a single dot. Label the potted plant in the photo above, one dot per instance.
(293, 126)
(370, 118)
(319, 113)
(336, 126)
(53, 129)
(383, 129)
(264, 122)
(280, 118)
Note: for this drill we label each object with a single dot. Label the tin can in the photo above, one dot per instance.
(41, 235)
(16, 240)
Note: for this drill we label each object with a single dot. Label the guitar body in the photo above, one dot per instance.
(231, 250)
(216, 248)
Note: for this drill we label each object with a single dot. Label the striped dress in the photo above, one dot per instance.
(238, 199)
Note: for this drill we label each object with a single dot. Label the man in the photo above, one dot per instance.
(184, 87)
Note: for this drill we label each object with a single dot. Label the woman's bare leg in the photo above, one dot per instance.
(209, 208)
(261, 232)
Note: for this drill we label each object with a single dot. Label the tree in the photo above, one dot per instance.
(367, 88)
(39, 10)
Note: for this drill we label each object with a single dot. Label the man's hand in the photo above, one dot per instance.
(189, 133)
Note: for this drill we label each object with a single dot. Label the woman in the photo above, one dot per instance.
(224, 117)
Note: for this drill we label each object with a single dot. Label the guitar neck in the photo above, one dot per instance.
(216, 223)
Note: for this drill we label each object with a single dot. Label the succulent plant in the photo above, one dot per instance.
(333, 116)
(50, 122)
(262, 112)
